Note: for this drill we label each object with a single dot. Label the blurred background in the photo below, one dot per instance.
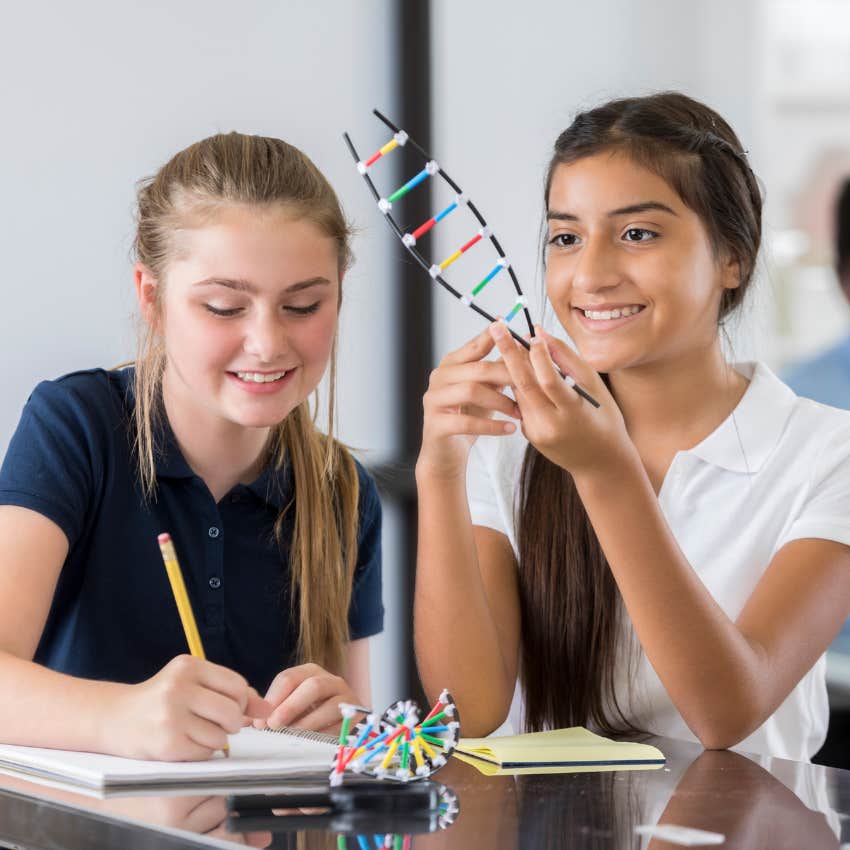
(99, 93)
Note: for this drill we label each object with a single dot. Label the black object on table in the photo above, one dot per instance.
(375, 807)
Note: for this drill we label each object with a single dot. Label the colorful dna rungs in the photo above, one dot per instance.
(410, 239)
(397, 745)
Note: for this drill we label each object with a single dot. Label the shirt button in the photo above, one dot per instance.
(213, 532)
(215, 582)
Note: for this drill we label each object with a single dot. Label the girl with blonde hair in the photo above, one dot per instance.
(241, 250)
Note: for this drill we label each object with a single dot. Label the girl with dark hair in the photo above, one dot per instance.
(677, 560)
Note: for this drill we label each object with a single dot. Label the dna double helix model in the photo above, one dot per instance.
(483, 235)
(399, 744)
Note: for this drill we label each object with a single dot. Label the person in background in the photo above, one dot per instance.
(826, 377)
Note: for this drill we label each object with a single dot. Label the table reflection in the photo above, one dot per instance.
(719, 791)
(722, 791)
(769, 804)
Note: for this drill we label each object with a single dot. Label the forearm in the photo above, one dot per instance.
(43, 708)
(717, 678)
(456, 633)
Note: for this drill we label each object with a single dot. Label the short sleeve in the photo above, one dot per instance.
(52, 461)
(825, 512)
(480, 492)
(366, 613)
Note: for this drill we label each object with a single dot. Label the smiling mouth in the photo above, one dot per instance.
(609, 315)
(261, 377)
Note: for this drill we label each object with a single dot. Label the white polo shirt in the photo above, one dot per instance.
(778, 469)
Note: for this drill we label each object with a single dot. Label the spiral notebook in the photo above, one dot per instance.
(254, 756)
(556, 751)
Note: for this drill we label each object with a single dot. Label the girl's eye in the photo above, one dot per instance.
(218, 311)
(564, 240)
(639, 234)
(304, 311)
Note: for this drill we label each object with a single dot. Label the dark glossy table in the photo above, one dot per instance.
(753, 802)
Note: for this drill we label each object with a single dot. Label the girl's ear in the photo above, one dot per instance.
(146, 293)
(731, 273)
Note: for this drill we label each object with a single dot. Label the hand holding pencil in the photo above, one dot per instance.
(186, 711)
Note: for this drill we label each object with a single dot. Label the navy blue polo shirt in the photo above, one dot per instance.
(113, 616)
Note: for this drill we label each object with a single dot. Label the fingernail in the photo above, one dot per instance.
(497, 330)
(509, 427)
(536, 340)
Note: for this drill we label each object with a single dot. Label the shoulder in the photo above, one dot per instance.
(804, 438)
(86, 394)
(816, 422)
(824, 418)
(85, 408)
(72, 430)
(821, 434)
(808, 473)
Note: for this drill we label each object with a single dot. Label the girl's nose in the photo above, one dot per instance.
(596, 268)
(266, 339)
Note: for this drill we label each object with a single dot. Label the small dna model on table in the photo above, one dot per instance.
(398, 745)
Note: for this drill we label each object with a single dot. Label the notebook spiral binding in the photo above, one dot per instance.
(305, 734)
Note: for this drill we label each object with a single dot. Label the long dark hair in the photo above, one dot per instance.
(571, 607)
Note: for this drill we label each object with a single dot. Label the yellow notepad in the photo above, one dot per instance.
(573, 749)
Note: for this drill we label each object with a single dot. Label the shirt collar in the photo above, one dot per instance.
(747, 437)
(169, 460)
(274, 485)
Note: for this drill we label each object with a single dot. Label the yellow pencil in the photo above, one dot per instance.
(178, 588)
(184, 607)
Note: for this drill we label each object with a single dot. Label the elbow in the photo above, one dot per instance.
(739, 702)
(480, 727)
(480, 710)
(726, 727)
(720, 739)
(480, 717)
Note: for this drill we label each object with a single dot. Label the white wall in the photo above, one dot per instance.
(98, 94)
